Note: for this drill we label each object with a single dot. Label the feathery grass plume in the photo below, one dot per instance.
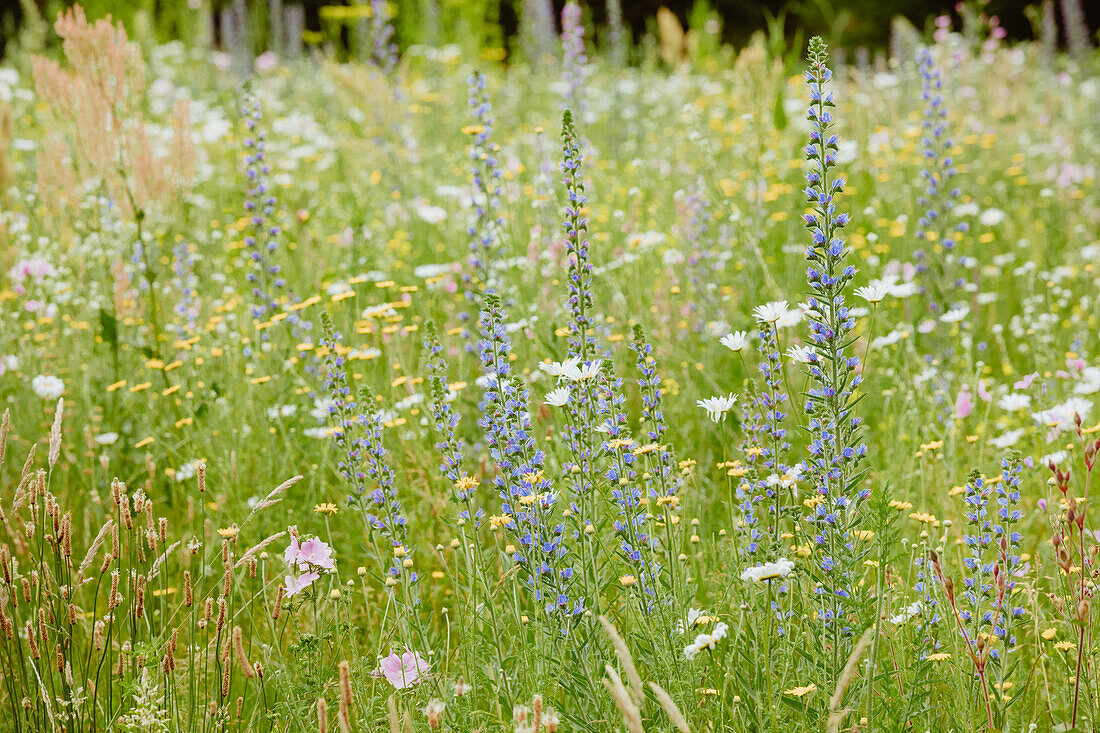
(273, 498)
(631, 715)
(670, 708)
(322, 715)
(55, 434)
(98, 103)
(5, 428)
(835, 450)
(847, 676)
(626, 660)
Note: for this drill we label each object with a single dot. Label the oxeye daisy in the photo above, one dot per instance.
(717, 407)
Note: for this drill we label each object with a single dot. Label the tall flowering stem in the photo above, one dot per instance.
(575, 61)
(527, 495)
(625, 487)
(383, 48)
(486, 224)
(342, 410)
(661, 478)
(779, 478)
(940, 195)
(261, 238)
(445, 420)
(582, 345)
(834, 431)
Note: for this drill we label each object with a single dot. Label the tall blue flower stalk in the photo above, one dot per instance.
(186, 309)
(582, 345)
(528, 497)
(937, 230)
(700, 259)
(486, 224)
(834, 449)
(357, 430)
(777, 480)
(663, 481)
(262, 234)
(342, 411)
(574, 59)
(446, 420)
(991, 558)
(624, 485)
(383, 48)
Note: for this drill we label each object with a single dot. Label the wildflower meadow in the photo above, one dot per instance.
(609, 383)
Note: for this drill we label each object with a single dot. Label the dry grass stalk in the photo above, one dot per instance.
(836, 716)
(626, 660)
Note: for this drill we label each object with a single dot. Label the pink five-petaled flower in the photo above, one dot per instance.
(313, 554)
(317, 554)
(403, 671)
(299, 584)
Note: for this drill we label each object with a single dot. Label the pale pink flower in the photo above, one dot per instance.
(316, 553)
(290, 556)
(983, 393)
(963, 405)
(299, 584)
(403, 671)
(1026, 381)
(266, 61)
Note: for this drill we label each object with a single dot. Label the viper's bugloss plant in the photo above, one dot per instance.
(834, 448)
(938, 229)
(486, 225)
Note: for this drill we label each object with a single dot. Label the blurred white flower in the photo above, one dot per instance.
(48, 387)
(768, 571)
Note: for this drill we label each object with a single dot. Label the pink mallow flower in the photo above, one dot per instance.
(312, 554)
(403, 671)
(963, 405)
(299, 584)
(317, 554)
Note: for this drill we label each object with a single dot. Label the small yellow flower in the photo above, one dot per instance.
(923, 517)
(939, 657)
(229, 533)
(466, 483)
(627, 580)
(1048, 634)
(328, 509)
(1065, 645)
(801, 691)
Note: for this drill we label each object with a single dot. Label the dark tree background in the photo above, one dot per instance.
(866, 22)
